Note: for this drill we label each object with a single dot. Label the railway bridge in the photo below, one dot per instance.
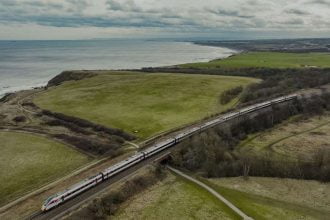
(156, 152)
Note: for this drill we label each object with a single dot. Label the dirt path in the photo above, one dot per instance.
(133, 144)
(213, 192)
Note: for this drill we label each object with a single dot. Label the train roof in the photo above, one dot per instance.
(77, 185)
(123, 162)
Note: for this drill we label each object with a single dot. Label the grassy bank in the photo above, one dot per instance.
(260, 198)
(268, 59)
(28, 161)
(175, 198)
(144, 104)
(273, 198)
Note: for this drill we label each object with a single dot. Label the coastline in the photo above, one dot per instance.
(303, 45)
(237, 50)
(21, 88)
(10, 89)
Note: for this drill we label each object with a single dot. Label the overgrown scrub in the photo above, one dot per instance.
(230, 94)
(213, 152)
(71, 126)
(65, 120)
(70, 75)
(284, 82)
(90, 145)
(107, 206)
(20, 118)
(110, 142)
(316, 169)
(7, 97)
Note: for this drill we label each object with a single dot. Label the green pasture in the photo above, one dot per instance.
(267, 59)
(28, 161)
(141, 103)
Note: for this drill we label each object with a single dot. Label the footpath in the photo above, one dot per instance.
(213, 192)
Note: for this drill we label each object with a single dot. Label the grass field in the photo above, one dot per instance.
(273, 198)
(141, 103)
(268, 59)
(291, 139)
(259, 197)
(175, 198)
(28, 161)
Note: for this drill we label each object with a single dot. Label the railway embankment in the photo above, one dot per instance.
(186, 134)
(241, 117)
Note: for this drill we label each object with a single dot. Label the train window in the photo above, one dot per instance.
(48, 200)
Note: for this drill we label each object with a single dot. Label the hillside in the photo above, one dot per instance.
(141, 103)
(28, 161)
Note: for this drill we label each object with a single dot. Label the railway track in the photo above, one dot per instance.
(35, 215)
(75, 202)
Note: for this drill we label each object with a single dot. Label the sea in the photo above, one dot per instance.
(28, 64)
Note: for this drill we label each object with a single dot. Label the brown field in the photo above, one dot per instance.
(291, 139)
(307, 193)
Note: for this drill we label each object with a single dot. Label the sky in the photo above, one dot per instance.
(214, 19)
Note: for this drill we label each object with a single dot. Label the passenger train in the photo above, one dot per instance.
(86, 184)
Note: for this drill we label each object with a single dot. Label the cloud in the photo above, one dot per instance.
(319, 2)
(294, 21)
(170, 15)
(229, 13)
(124, 5)
(296, 12)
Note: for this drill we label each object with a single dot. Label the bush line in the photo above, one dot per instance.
(213, 152)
